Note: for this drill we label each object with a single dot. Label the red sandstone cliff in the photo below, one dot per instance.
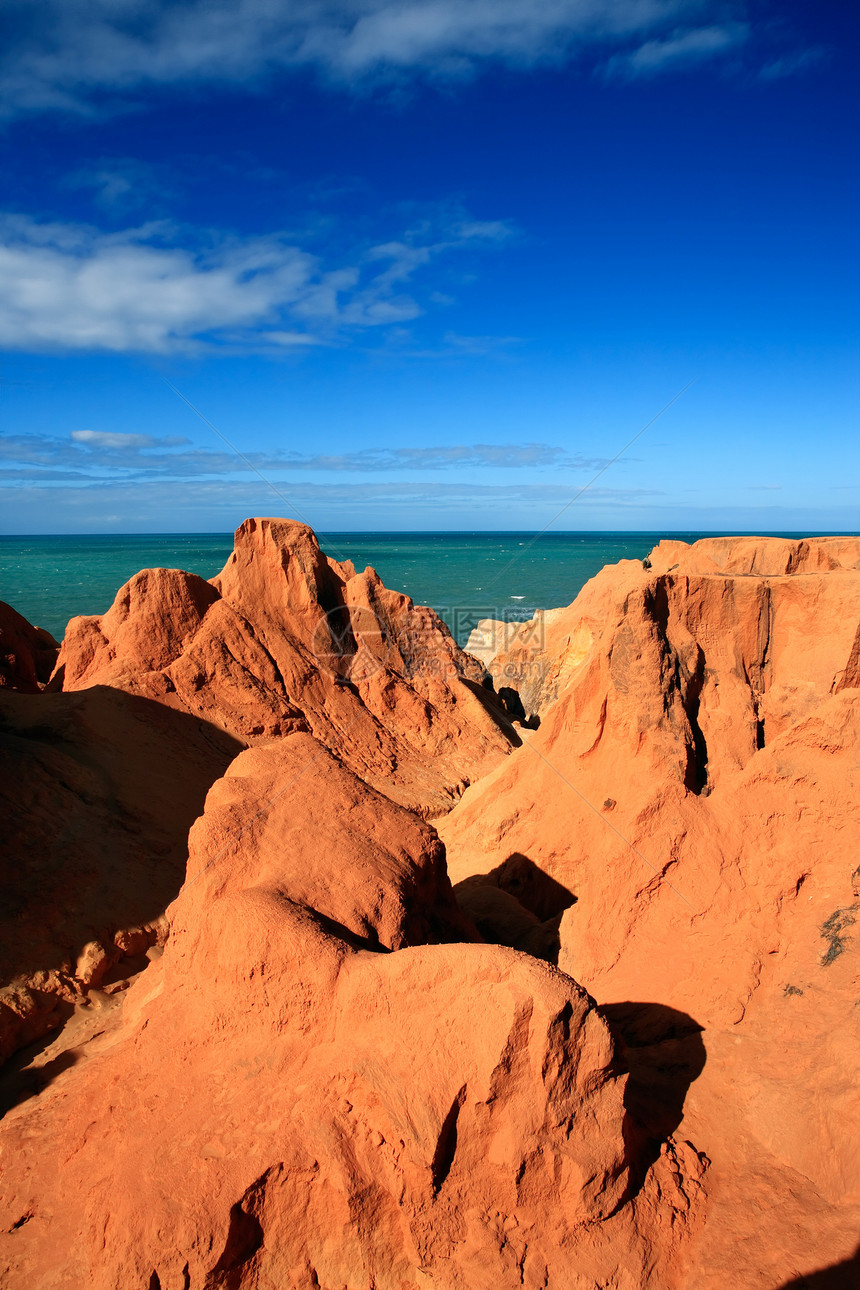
(101, 782)
(285, 639)
(289, 1103)
(694, 787)
(322, 1083)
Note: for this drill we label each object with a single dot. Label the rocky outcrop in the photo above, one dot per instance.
(27, 653)
(279, 802)
(491, 637)
(537, 658)
(103, 780)
(328, 1078)
(285, 639)
(693, 786)
(303, 1094)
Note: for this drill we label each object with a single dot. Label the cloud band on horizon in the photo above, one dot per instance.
(96, 455)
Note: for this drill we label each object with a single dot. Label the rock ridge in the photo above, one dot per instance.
(285, 639)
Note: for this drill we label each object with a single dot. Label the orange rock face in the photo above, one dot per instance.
(329, 1078)
(102, 782)
(695, 788)
(285, 639)
(538, 658)
(303, 1094)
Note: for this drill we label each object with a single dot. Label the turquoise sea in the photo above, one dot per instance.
(465, 576)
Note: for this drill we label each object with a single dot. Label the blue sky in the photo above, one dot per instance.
(429, 264)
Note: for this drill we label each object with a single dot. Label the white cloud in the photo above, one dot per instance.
(113, 441)
(209, 506)
(292, 339)
(75, 288)
(112, 294)
(400, 343)
(63, 50)
(506, 456)
(678, 50)
(142, 505)
(474, 346)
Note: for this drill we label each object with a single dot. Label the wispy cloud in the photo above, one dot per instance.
(120, 185)
(73, 287)
(111, 442)
(459, 456)
(206, 506)
(792, 63)
(678, 50)
(65, 54)
(131, 458)
(401, 343)
(474, 346)
(200, 505)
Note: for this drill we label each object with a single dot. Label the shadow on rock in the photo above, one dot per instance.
(515, 710)
(841, 1276)
(98, 790)
(495, 709)
(20, 1079)
(517, 904)
(663, 1052)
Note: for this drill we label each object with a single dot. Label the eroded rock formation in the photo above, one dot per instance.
(286, 639)
(695, 787)
(538, 658)
(102, 781)
(328, 1078)
(289, 1103)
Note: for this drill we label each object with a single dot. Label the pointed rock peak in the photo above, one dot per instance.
(277, 565)
(283, 533)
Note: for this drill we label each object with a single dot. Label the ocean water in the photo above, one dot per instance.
(464, 576)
